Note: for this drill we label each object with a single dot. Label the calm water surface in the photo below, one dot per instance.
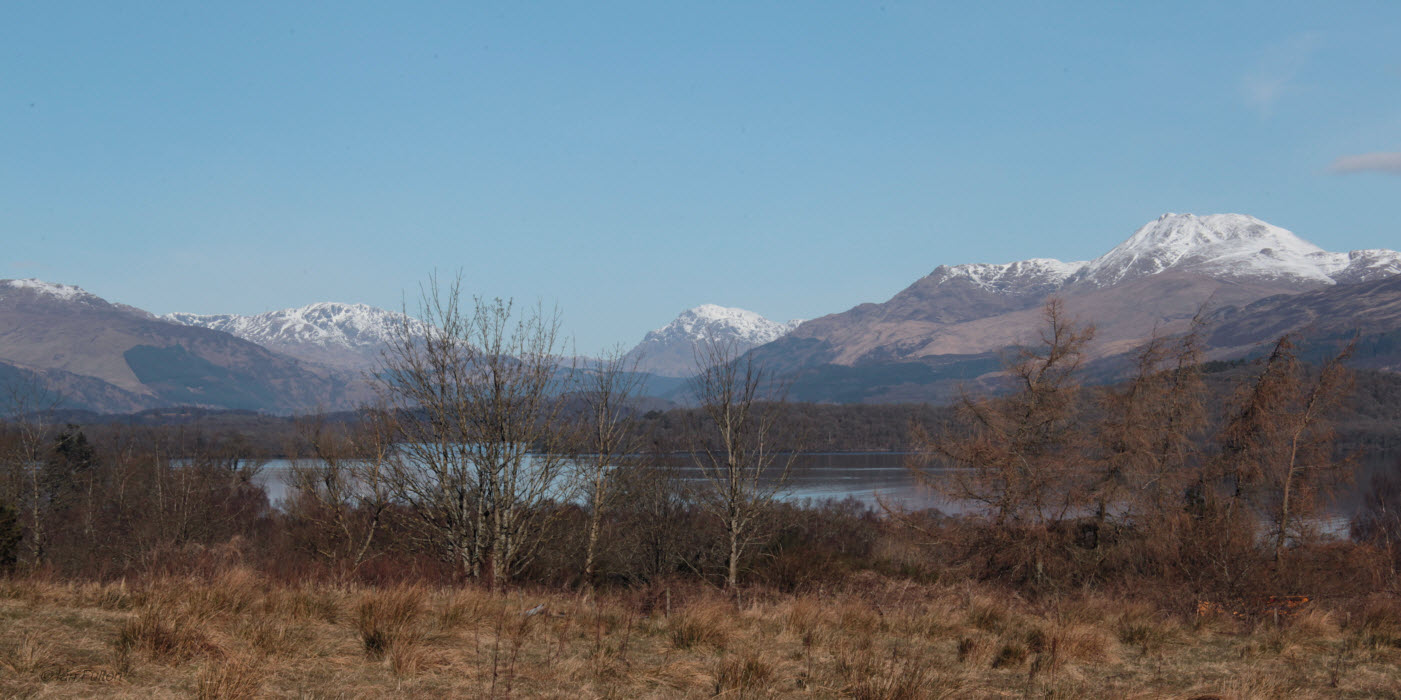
(881, 476)
(863, 476)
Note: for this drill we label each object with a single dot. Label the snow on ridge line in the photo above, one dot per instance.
(1230, 245)
(320, 323)
(997, 276)
(54, 289)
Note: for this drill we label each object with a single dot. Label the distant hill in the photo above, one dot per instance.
(111, 357)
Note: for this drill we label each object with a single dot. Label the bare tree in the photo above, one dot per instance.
(608, 439)
(1277, 446)
(341, 486)
(741, 458)
(481, 451)
(1149, 437)
(1019, 455)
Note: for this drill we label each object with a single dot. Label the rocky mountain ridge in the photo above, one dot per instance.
(343, 336)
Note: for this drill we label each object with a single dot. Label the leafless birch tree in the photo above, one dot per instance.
(741, 458)
(481, 453)
(608, 438)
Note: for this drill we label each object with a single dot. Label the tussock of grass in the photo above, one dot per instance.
(1380, 625)
(460, 608)
(1011, 655)
(389, 619)
(272, 635)
(1143, 628)
(987, 614)
(743, 675)
(231, 679)
(803, 618)
(27, 655)
(166, 635)
(701, 625)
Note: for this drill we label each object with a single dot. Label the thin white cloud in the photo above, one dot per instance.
(1273, 77)
(1368, 163)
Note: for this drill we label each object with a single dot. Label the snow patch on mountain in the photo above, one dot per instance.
(64, 292)
(1013, 277)
(1365, 265)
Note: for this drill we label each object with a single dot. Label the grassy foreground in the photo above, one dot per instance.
(233, 634)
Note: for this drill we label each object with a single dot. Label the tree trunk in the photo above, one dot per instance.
(733, 579)
(594, 522)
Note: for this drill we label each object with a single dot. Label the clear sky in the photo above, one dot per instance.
(629, 160)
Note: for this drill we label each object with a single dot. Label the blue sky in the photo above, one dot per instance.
(630, 160)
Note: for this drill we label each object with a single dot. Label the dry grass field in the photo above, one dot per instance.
(235, 635)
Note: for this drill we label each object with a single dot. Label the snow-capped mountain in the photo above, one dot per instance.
(670, 350)
(1232, 246)
(345, 336)
(1222, 246)
(959, 318)
(93, 354)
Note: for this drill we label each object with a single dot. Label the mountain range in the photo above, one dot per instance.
(952, 326)
(343, 336)
(948, 329)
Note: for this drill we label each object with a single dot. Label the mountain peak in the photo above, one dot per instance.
(726, 314)
(1183, 232)
(1232, 246)
(670, 350)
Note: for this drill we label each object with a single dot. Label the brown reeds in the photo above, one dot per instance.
(232, 637)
